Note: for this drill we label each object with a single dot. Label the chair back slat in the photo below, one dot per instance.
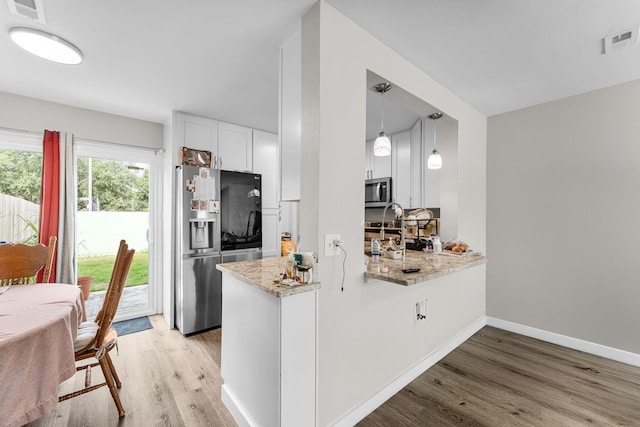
(46, 275)
(19, 264)
(117, 282)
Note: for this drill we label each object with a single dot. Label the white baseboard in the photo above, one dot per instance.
(381, 396)
(565, 341)
(234, 408)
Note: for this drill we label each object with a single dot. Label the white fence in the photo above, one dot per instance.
(12, 228)
(99, 233)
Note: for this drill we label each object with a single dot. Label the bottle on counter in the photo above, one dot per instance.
(375, 249)
(437, 244)
(430, 245)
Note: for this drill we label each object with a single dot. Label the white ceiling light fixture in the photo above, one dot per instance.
(435, 159)
(46, 45)
(382, 144)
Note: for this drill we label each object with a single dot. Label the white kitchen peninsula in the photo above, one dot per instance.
(268, 360)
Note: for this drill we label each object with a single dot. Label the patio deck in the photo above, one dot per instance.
(133, 297)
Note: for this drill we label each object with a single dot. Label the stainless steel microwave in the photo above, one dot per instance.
(377, 192)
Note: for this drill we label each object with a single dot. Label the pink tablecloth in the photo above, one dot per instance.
(38, 324)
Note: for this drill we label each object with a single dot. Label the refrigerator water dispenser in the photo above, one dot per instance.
(202, 233)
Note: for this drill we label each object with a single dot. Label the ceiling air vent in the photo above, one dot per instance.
(30, 9)
(621, 40)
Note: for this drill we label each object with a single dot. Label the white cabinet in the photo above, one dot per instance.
(270, 233)
(431, 177)
(265, 162)
(417, 162)
(235, 150)
(368, 160)
(268, 359)
(376, 166)
(195, 132)
(412, 184)
(291, 117)
(401, 177)
(381, 166)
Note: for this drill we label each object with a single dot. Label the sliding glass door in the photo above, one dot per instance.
(116, 200)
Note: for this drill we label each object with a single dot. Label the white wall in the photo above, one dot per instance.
(29, 114)
(367, 336)
(563, 208)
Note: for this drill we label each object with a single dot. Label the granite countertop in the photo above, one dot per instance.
(261, 272)
(431, 266)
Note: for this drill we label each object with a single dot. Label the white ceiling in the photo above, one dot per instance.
(219, 58)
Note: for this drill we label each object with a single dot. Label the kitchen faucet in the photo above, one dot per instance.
(384, 215)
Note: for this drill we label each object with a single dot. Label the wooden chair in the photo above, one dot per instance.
(96, 339)
(20, 264)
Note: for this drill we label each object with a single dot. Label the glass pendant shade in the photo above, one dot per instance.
(435, 160)
(382, 145)
(46, 45)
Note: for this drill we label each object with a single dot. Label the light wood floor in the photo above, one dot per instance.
(497, 378)
(167, 380)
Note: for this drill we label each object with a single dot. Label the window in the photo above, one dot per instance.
(20, 182)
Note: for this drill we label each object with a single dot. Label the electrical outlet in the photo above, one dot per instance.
(330, 246)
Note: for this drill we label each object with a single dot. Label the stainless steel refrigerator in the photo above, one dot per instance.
(198, 285)
(219, 219)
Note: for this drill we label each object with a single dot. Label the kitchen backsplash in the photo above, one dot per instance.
(375, 214)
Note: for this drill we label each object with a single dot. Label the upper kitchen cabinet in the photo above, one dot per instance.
(235, 148)
(290, 117)
(416, 165)
(265, 162)
(401, 176)
(195, 132)
(376, 166)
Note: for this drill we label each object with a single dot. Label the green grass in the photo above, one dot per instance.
(101, 267)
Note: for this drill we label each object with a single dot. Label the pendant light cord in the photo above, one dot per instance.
(435, 127)
(382, 115)
(435, 117)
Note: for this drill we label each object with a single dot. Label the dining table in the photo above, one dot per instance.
(38, 325)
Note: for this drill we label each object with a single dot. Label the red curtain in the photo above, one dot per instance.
(50, 192)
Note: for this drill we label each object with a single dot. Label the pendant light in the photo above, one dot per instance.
(435, 159)
(382, 144)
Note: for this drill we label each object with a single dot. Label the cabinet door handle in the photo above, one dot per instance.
(220, 162)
